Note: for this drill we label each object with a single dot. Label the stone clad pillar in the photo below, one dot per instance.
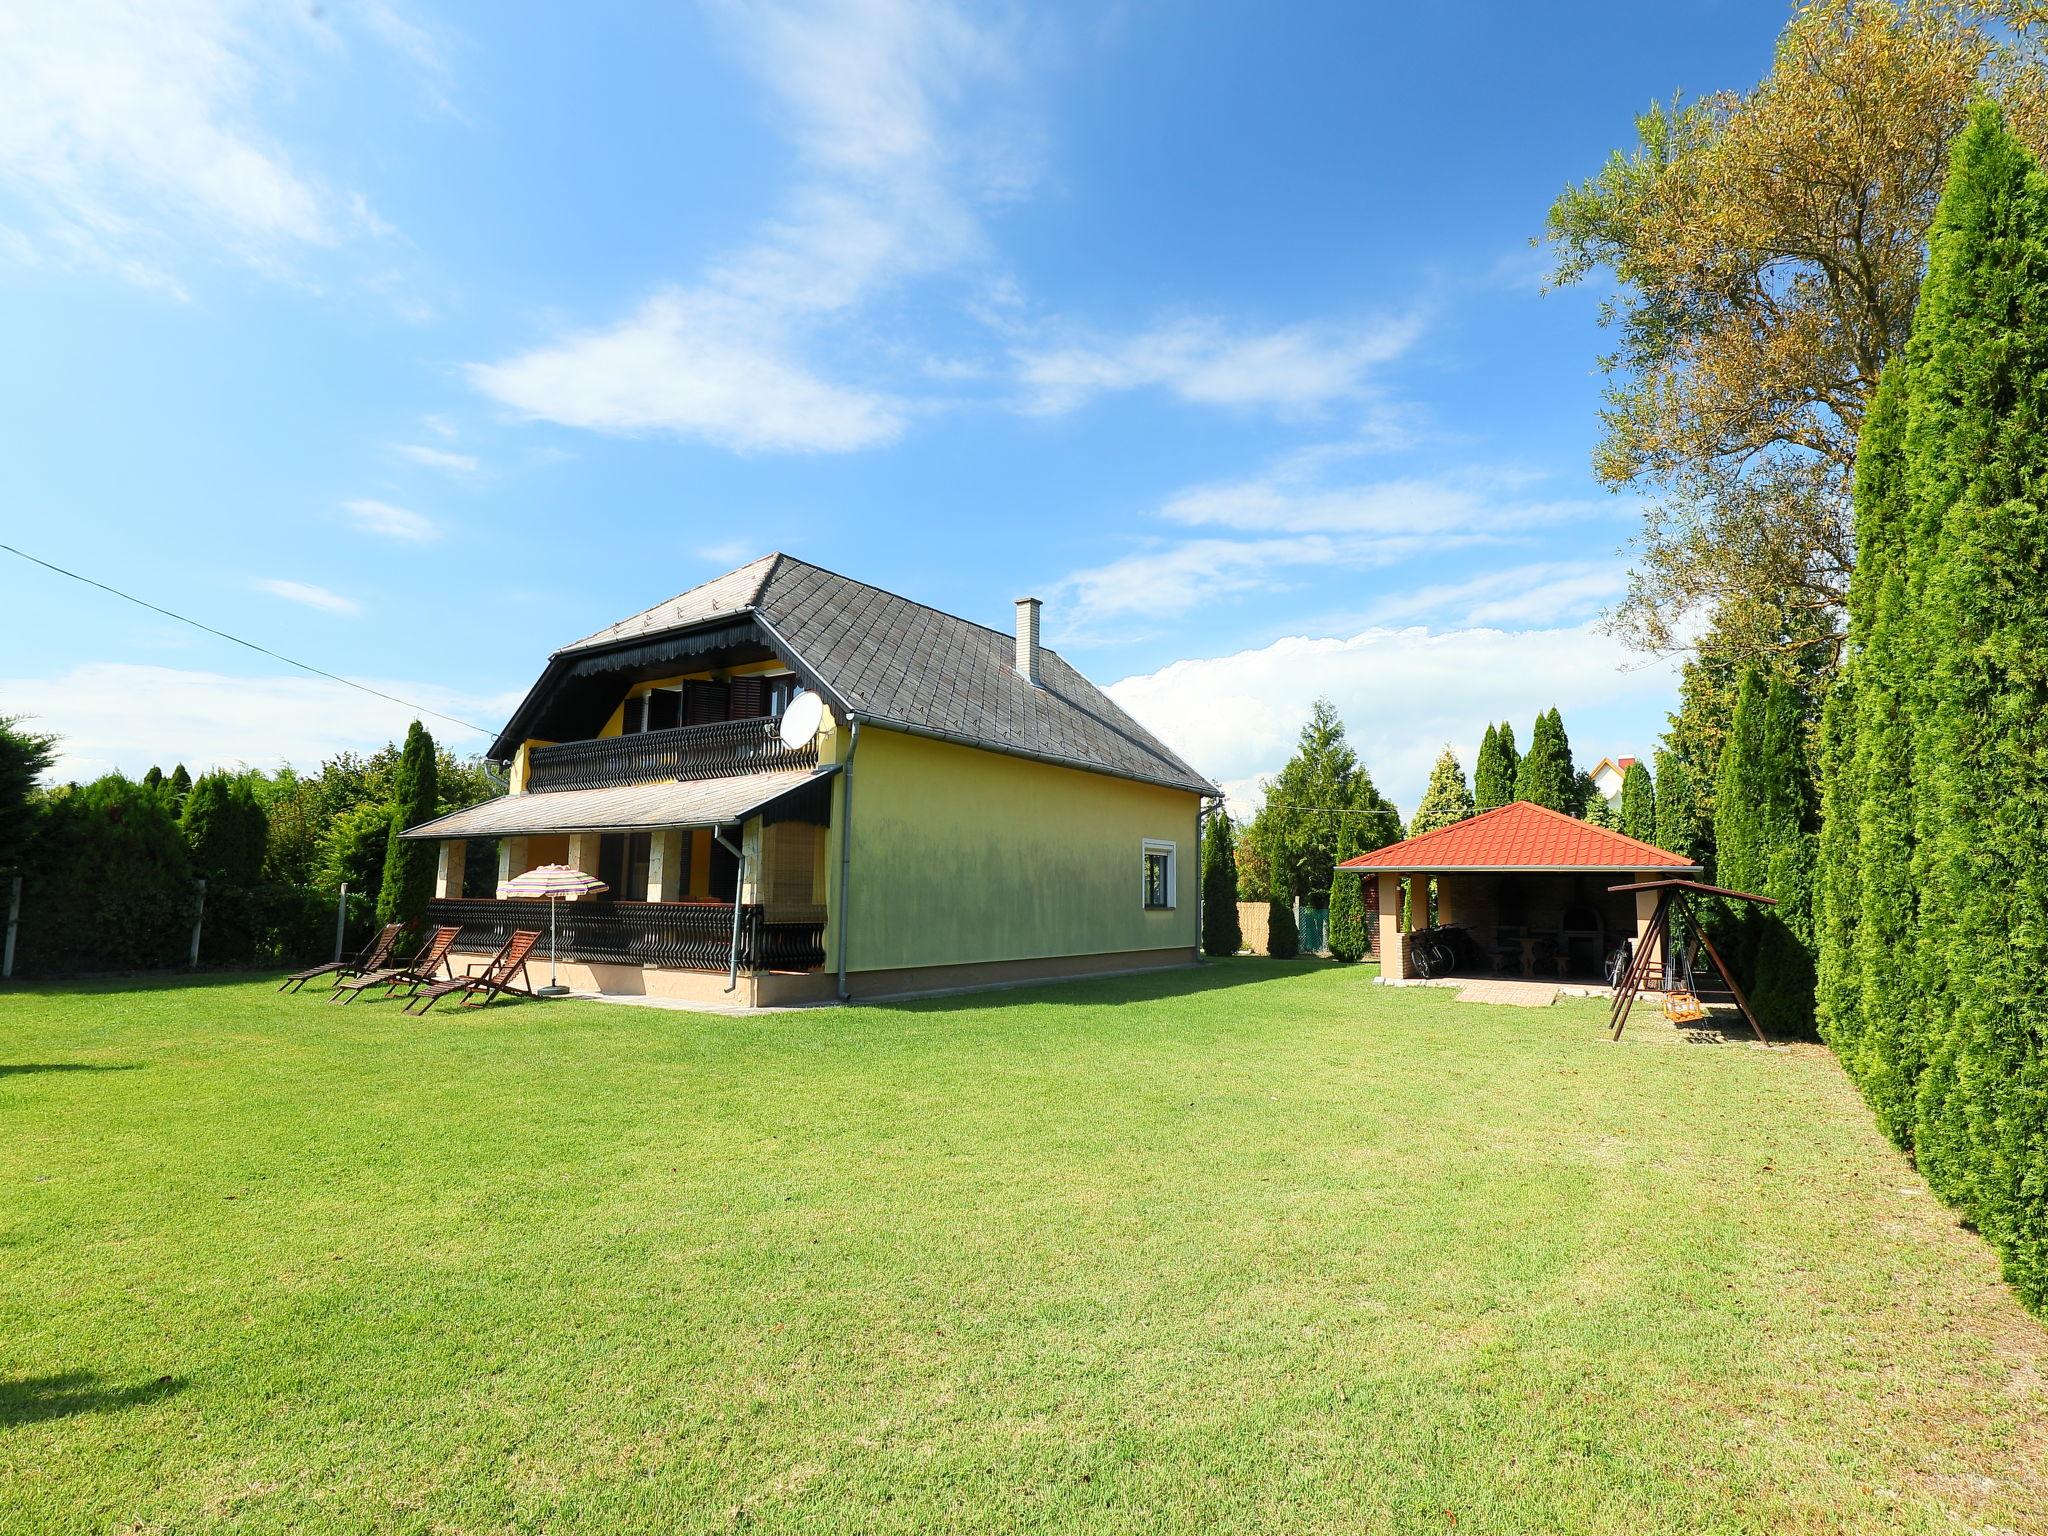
(1393, 945)
(583, 856)
(449, 869)
(665, 863)
(512, 859)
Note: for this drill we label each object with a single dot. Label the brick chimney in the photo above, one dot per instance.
(1027, 640)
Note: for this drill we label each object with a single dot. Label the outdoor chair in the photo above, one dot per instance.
(423, 969)
(372, 956)
(1507, 951)
(495, 980)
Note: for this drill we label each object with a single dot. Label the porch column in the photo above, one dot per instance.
(449, 869)
(511, 858)
(665, 864)
(583, 856)
(1646, 908)
(1393, 944)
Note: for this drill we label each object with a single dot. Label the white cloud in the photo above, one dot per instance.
(437, 458)
(119, 716)
(130, 130)
(731, 552)
(307, 595)
(1293, 369)
(872, 94)
(1541, 593)
(391, 522)
(695, 368)
(1403, 694)
(1296, 498)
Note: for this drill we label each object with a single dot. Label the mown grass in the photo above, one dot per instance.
(1260, 1248)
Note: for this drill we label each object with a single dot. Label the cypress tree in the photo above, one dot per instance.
(225, 831)
(1512, 757)
(1347, 900)
(1783, 996)
(1221, 933)
(1493, 774)
(24, 757)
(1976, 464)
(154, 779)
(1283, 938)
(1680, 818)
(1446, 800)
(1639, 803)
(181, 786)
(409, 866)
(1546, 776)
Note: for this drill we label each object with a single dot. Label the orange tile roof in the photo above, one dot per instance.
(1519, 836)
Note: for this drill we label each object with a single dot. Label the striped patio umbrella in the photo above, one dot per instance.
(552, 881)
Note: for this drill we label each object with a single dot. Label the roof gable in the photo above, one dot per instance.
(1521, 835)
(899, 663)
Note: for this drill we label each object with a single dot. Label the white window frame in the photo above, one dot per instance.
(1146, 849)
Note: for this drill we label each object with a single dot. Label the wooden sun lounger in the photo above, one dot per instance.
(373, 956)
(423, 969)
(497, 976)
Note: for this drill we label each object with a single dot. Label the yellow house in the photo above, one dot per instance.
(798, 787)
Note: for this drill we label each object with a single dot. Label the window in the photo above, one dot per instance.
(1159, 873)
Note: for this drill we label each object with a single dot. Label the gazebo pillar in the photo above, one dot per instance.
(1393, 945)
(1646, 909)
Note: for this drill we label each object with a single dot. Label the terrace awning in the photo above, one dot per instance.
(635, 808)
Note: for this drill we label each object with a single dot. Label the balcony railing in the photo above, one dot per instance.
(684, 752)
(688, 935)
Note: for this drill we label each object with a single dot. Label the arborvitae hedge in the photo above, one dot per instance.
(1546, 776)
(1934, 922)
(1347, 938)
(107, 883)
(1493, 775)
(1638, 803)
(1221, 933)
(409, 866)
(225, 831)
(1283, 938)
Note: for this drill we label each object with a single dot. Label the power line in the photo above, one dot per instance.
(261, 650)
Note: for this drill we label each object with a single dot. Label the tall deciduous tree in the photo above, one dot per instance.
(1446, 800)
(1767, 247)
(1221, 933)
(1546, 776)
(409, 866)
(1493, 775)
(1639, 803)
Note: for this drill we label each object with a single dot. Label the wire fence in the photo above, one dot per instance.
(124, 928)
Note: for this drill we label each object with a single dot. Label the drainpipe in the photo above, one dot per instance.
(846, 845)
(739, 886)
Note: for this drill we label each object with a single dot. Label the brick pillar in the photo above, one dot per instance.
(448, 870)
(512, 858)
(583, 856)
(665, 864)
(1393, 942)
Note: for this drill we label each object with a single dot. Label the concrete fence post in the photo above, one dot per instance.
(13, 923)
(340, 920)
(198, 918)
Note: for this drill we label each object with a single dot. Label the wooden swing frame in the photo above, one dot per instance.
(1657, 941)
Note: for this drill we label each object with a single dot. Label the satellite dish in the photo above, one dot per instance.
(800, 721)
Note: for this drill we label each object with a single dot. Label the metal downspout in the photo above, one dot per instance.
(846, 847)
(739, 886)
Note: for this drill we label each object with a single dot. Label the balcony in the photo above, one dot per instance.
(686, 935)
(712, 751)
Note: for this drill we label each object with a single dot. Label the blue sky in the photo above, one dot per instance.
(415, 340)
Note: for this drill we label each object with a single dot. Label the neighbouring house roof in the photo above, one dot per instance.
(1520, 836)
(1620, 766)
(892, 662)
(636, 808)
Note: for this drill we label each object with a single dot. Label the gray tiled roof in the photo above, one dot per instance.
(893, 661)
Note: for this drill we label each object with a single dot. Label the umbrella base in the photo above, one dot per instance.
(551, 991)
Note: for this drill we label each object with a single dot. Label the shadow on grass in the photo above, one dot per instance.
(1133, 987)
(23, 1068)
(35, 1399)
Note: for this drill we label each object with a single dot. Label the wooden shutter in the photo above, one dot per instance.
(749, 697)
(705, 703)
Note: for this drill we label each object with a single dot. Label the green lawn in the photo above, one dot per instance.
(1261, 1248)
